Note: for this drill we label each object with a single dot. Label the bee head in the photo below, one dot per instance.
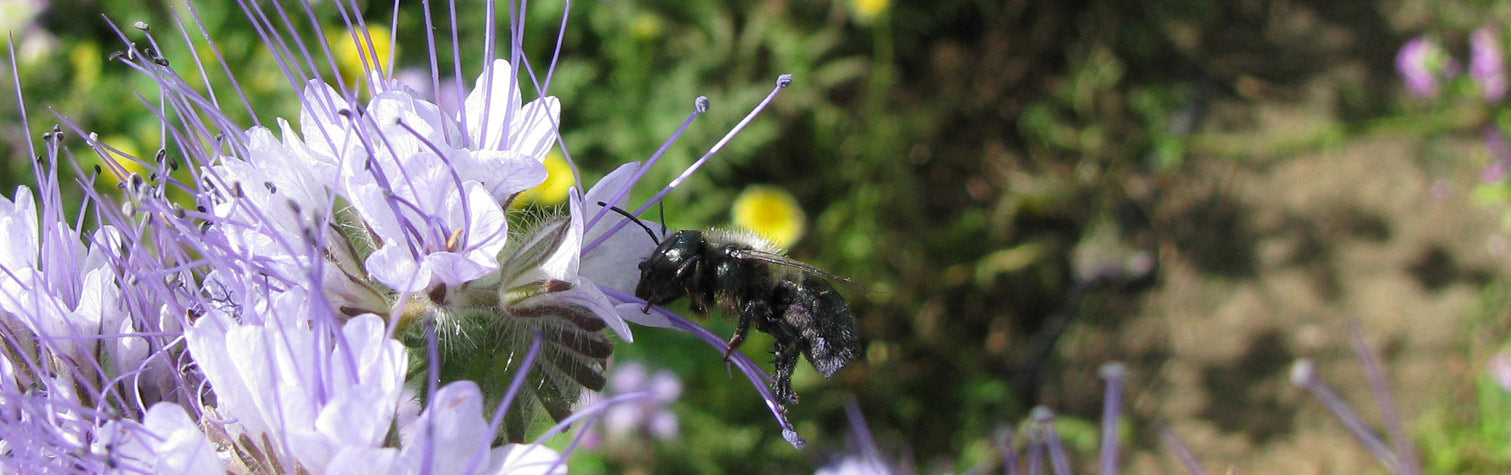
(664, 274)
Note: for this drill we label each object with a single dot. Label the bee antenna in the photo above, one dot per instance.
(632, 217)
(661, 209)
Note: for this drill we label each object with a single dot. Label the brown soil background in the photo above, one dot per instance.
(1264, 261)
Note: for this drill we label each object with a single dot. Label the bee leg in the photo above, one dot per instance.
(753, 309)
(786, 363)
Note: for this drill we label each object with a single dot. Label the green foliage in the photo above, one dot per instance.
(1470, 439)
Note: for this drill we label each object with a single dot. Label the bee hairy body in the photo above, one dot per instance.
(747, 277)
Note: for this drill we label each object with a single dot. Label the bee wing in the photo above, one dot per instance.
(781, 260)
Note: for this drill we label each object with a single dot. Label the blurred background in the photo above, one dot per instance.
(1205, 191)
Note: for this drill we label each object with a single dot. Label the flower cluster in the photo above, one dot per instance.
(349, 295)
(1430, 71)
(1424, 64)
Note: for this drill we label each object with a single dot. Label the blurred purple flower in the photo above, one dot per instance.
(1500, 155)
(1499, 368)
(1487, 62)
(1421, 63)
(644, 416)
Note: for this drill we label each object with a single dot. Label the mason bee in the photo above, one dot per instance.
(748, 276)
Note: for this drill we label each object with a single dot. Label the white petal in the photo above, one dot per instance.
(328, 136)
(504, 172)
(586, 294)
(233, 397)
(362, 461)
(533, 131)
(487, 225)
(7, 376)
(493, 102)
(455, 269)
(355, 417)
(183, 447)
(395, 267)
(453, 428)
(18, 230)
(617, 182)
(421, 127)
(562, 263)
(128, 351)
(527, 459)
(614, 263)
(371, 202)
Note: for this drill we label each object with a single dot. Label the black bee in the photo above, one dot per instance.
(748, 276)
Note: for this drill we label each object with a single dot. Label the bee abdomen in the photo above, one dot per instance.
(823, 319)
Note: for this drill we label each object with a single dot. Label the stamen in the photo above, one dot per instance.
(782, 82)
(452, 240)
(1111, 408)
(1384, 401)
(1181, 450)
(1044, 422)
(700, 106)
(1304, 375)
(752, 371)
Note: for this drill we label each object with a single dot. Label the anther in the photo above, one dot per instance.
(701, 104)
(452, 240)
(784, 80)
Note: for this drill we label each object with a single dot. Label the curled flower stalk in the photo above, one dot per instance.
(346, 289)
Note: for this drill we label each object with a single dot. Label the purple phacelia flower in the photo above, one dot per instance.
(646, 416)
(1487, 62)
(1422, 63)
(270, 322)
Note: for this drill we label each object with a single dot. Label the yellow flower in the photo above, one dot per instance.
(124, 146)
(553, 191)
(352, 49)
(771, 212)
(86, 60)
(865, 10)
(646, 27)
